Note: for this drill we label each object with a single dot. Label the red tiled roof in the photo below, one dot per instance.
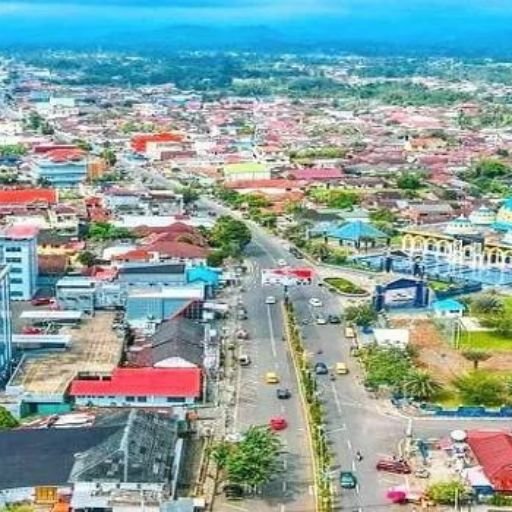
(65, 155)
(21, 231)
(166, 382)
(493, 450)
(139, 142)
(177, 250)
(259, 184)
(28, 195)
(317, 174)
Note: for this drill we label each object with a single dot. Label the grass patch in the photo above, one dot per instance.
(486, 340)
(439, 286)
(345, 286)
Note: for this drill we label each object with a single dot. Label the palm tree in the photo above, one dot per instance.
(320, 251)
(487, 304)
(420, 384)
(476, 356)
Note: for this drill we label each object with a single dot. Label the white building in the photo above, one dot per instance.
(18, 250)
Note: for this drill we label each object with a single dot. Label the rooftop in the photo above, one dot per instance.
(245, 167)
(27, 196)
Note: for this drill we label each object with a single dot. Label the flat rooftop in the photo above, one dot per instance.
(95, 349)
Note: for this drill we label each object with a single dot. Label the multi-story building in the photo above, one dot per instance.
(5, 326)
(18, 250)
(62, 168)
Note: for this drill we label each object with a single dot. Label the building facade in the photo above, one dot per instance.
(5, 326)
(61, 168)
(18, 250)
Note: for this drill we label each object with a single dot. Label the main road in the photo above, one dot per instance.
(355, 422)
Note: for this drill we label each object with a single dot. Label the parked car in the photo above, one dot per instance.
(283, 394)
(42, 301)
(244, 360)
(270, 300)
(317, 303)
(400, 467)
(233, 492)
(278, 423)
(282, 263)
(334, 319)
(321, 369)
(321, 320)
(347, 480)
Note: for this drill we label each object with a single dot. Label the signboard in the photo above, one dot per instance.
(287, 276)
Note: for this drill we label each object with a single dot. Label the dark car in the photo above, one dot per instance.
(321, 369)
(234, 492)
(394, 466)
(347, 480)
(283, 394)
(334, 319)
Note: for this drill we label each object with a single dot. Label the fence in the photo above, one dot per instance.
(465, 411)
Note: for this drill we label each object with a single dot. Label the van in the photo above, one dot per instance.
(244, 360)
(341, 369)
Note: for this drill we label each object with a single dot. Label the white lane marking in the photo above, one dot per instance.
(282, 409)
(336, 398)
(271, 331)
(284, 486)
(349, 444)
(353, 465)
(343, 428)
(311, 490)
(357, 490)
(282, 508)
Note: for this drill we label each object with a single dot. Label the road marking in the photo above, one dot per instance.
(353, 465)
(284, 486)
(311, 490)
(282, 409)
(282, 508)
(271, 331)
(343, 428)
(358, 490)
(349, 444)
(336, 398)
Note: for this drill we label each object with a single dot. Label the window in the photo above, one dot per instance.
(16, 280)
(142, 399)
(130, 399)
(13, 260)
(15, 270)
(13, 249)
(16, 294)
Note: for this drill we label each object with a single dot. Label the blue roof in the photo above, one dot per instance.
(448, 305)
(355, 231)
(507, 204)
(203, 274)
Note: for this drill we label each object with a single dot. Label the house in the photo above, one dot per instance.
(317, 174)
(271, 187)
(424, 213)
(18, 250)
(62, 168)
(177, 343)
(244, 171)
(160, 251)
(493, 452)
(354, 234)
(139, 387)
(392, 338)
(448, 308)
(151, 142)
(127, 449)
(28, 196)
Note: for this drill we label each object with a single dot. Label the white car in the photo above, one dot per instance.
(317, 303)
(270, 300)
(321, 320)
(282, 263)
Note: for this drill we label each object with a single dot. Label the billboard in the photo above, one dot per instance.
(287, 276)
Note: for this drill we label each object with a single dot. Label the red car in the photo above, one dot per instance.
(31, 330)
(42, 301)
(278, 423)
(394, 466)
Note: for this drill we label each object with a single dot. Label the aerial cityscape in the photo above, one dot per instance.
(255, 256)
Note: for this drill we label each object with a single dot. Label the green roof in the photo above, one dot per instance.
(245, 167)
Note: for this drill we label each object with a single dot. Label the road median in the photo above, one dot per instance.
(313, 411)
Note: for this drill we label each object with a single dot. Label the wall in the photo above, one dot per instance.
(121, 401)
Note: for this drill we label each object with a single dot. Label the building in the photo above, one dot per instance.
(28, 196)
(18, 250)
(356, 234)
(62, 168)
(246, 171)
(448, 308)
(139, 387)
(152, 143)
(5, 326)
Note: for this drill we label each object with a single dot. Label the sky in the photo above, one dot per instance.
(459, 23)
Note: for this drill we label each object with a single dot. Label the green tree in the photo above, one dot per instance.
(83, 145)
(448, 493)
(190, 195)
(7, 420)
(420, 384)
(488, 304)
(383, 215)
(320, 251)
(363, 315)
(86, 258)
(106, 231)
(13, 150)
(109, 156)
(216, 258)
(230, 234)
(480, 388)
(476, 357)
(386, 366)
(44, 183)
(253, 461)
(409, 181)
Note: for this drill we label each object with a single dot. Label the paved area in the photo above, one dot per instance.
(94, 349)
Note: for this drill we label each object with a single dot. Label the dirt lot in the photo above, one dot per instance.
(435, 354)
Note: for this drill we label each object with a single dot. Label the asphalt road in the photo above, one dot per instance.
(355, 422)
